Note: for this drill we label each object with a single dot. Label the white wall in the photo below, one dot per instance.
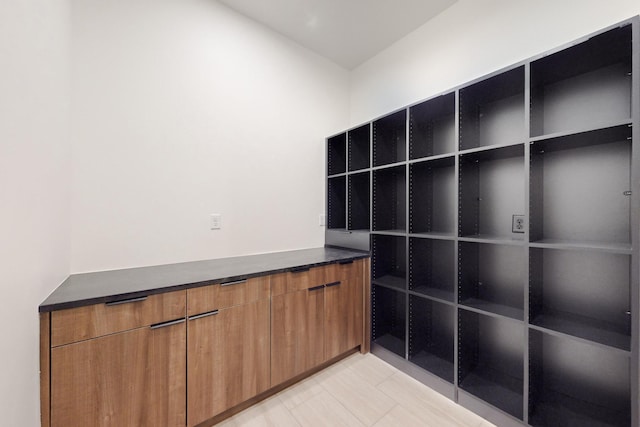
(470, 39)
(34, 189)
(182, 108)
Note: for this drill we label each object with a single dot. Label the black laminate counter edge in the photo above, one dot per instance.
(106, 286)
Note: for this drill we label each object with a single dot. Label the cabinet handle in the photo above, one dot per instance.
(169, 323)
(345, 262)
(316, 288)
(300, 269)
(207, 314)
(329, 285)
(125, 301)
(235, 282)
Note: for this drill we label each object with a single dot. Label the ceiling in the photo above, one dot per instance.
(346, 31)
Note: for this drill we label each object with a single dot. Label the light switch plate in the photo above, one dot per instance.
(216, 221)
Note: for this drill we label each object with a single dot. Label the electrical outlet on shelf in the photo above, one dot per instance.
(517, 224)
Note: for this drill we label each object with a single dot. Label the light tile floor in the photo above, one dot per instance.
(359, 391)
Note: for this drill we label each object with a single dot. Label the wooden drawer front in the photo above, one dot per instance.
(297, 280)
(223, 295)
(77, 324)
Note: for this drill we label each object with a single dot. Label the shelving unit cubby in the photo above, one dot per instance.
(432, 201)
(491, 191)
(388, 319)
(492, 111)
(431, 336)
(389, 261)
(491, 278)
(336, 202)
(564, 285)
(575, 383)
(359, 201)
(503, 218)
(491, 360)
(390, 139)
(432, 127)
(432, 267)
(389, 199)
(359, 148)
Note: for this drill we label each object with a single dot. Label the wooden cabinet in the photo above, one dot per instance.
(297, 332)
(343, 311)
(134, 377)
(228, 346)
(192, 357)
(316, 316)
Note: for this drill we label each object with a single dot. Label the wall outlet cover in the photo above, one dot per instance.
(517, 224)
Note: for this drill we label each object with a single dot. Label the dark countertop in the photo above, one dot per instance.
(100, 287)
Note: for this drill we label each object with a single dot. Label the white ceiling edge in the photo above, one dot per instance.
(348, 32)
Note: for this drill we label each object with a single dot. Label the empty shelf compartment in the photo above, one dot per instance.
(337, 202)
(389, 261)
(359, 201)
(577, 384)
(432, 127)
(580, 188)
(390, 199)
(432, 197)
(390, 139)
(582, 87)
(492, 111)
(388, 319)
(359, 147)
(431, 336)
(492, 190)
(432, 267)
(582, 293)
(492, 278)
(337, 154)
(490, 360)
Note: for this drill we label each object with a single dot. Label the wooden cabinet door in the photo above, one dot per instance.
(297, 333)
(343, 309)
(133, 378)
(228, 359)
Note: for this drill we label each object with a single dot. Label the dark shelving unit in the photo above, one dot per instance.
(577, 384)
(580, 187)
(432, 197)
(390, 139)
(431, 336)
(337, 154)
(490, 360)
(359, 208)
(389, 261)
(389, 199)
(492, 278)
(583, 87)
(432, 267)
(492, 111)
(336, 202)
(503, 218)
(388, 319)
(432, 127)
(359, 143)
(491, 191)
(564, 285)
